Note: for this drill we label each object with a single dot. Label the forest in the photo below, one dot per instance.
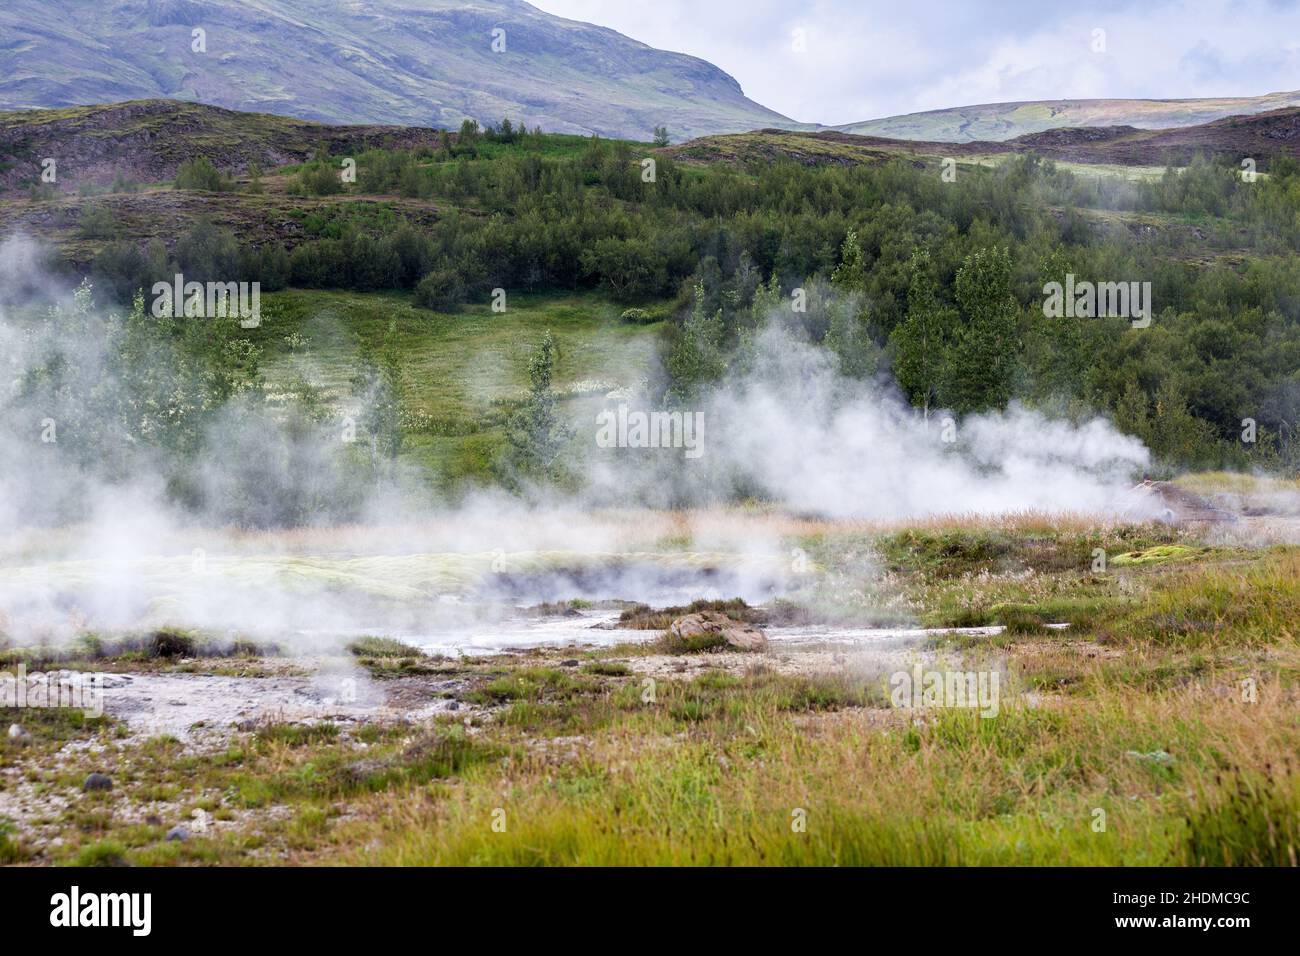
(936, 286)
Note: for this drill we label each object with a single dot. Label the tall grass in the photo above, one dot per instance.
(730, 783)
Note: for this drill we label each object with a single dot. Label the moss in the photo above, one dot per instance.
(1159, 554)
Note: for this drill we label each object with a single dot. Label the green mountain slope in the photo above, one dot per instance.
(409, 62)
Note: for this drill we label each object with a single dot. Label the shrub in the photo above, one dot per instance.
(441, 290)
(200, 174)
(319, 179)
(96, 222)
(171, 644)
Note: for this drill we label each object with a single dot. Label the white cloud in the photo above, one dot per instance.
(866, 60)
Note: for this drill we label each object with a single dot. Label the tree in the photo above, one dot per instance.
(632, 268)
(767, 299)
(696, 356)
(661, 136)
(851, 274)
(383, 390)
(1057, 348)
(981, 368)
(1176, 435)
(847, 334)
(920, 340)
(848, 338)
(536, 436)
(1132, 411)
(467, 138)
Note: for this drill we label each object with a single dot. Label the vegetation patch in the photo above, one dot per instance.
(644, 618)
(382, 647)
(1158, 554)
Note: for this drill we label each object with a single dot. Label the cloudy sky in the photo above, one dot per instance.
(864, 59)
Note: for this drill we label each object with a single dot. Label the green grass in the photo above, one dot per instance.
(1237, 605)
(50, 728)
(11, 847)
(1023, 788)
(457, 366)
(107, 853)
(382, 647)
(462, 373)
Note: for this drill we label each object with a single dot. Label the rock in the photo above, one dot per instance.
(744, 637)
(19, 734)
(178, 834)
(453, 705)
(1170, 504)
(153, 820)
(569, 663)
(97, 781)
(360, 771)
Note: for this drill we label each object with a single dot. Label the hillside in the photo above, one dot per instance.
(448, 223)
(145, 140)
(411, 62)
(120, 160)
(1262, 136)
(1004, 121)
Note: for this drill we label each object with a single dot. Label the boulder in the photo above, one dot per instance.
(97, 781)
(19, 734)
(737, 634)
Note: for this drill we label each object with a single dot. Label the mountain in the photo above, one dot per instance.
(1002, 121)
(425, 63)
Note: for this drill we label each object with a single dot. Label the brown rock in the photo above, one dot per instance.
(744, 637)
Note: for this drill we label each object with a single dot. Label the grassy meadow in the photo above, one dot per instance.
(462, 374)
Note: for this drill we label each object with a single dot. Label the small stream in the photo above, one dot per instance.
(600, 629)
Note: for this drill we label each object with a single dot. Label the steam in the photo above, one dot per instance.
(266, 528)
(795, 431)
